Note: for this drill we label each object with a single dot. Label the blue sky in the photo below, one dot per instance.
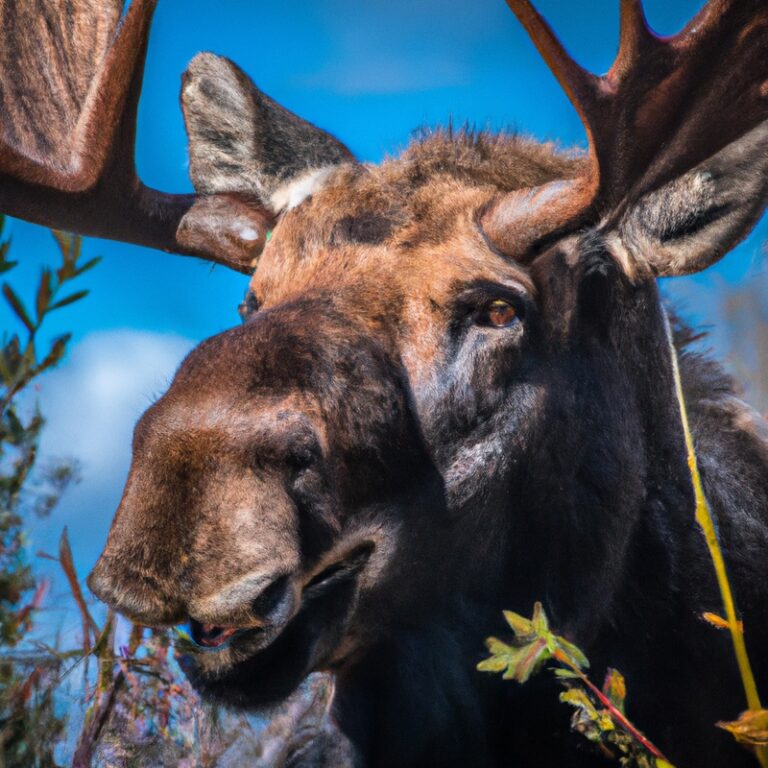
(370, 72)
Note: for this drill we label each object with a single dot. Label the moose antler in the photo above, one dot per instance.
(70, 79)
(665, 106)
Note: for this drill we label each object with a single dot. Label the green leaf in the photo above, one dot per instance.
(43, 297)
(573, 652)
(16, 429)
(565, 674)
(90, 264)
(71, 299)
(496, 646)
(5, 371)
(103, 646)
(56, 353)
(18, 307)
(520, 625)
(5, 265)
(605, 721)
(66, 244)
(615, 688)
(76, 247)
(576, 697)
(10, 357)
(493, 664)
(64, 241)
(29, 358)
(539, 621)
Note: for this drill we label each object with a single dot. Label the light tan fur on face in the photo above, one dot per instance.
(403, 284)
(246, 537)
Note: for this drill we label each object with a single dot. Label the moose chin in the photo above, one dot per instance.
(452, 392)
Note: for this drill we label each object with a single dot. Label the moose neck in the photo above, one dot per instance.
(605, 479)
(607, 468)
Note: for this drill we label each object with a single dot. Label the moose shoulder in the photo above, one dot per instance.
(452, 394)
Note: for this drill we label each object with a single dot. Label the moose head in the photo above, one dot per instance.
(451, 392)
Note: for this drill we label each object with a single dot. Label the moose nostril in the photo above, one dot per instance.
(271, 597)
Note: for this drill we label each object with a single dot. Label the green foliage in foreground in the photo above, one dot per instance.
(30, 726)
(136, 709)
(20, 365)
(599, 712)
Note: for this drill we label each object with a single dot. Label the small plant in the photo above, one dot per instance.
(599, 712)
(20, 365)
(31, 725)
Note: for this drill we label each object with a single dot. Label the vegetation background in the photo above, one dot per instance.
(370, 73)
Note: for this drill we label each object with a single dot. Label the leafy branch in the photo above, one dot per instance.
(599, 712)
(30, 721)
(137, 709)
(20, 363)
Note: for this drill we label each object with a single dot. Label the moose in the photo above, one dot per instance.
(451, 394)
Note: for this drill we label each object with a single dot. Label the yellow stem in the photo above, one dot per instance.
(706, 522)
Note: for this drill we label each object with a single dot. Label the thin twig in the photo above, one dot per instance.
(68, 566)
(616, 713)
(706, 521)
(96, 719)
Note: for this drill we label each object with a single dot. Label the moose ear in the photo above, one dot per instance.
(241, 141)
(693, 221)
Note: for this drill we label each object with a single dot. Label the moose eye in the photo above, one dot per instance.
(497, 314)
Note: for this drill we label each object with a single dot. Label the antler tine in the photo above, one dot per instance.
(76, 164)
(634, 36)
(579, 85)
(107, 101)
(705, 19)
(697, 104)
(67, 137)
(665, 106)
(524, 217)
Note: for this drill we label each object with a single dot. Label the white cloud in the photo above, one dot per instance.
(91, 405)
(92, 402)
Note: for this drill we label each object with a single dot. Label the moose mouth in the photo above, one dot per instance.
(252, 667)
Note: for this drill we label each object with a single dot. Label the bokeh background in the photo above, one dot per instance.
(371, 73)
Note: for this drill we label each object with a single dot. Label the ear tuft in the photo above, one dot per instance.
(240, 140)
